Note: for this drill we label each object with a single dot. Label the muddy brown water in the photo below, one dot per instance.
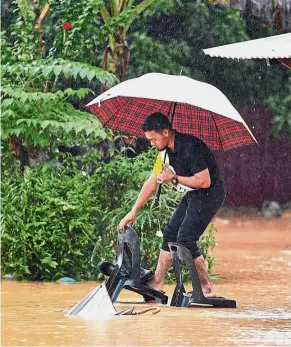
(254, 257)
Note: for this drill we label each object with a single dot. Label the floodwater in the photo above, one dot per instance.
(254, 260)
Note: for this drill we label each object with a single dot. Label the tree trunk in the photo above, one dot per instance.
(116, 57)
(28, 156)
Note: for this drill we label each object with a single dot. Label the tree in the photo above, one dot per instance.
(116, 54)
(37, 112)
(99, 30)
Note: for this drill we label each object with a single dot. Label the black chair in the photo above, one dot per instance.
(181, 298)
(127, 272)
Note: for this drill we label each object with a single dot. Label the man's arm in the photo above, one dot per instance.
(146, 192)
(199, 180)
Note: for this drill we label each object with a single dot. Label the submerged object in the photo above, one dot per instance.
(97, 304)
(66, 280)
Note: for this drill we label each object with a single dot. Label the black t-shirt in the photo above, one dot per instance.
(191, 155)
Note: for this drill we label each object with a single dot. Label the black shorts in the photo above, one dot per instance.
(192, 217)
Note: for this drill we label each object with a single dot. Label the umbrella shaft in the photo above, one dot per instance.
(158, 192)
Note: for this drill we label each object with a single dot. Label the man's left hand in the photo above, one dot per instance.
(165, 177)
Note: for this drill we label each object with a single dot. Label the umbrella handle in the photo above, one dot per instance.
(158, 193)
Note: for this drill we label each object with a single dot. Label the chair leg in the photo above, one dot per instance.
(196, 296)
(178, 296)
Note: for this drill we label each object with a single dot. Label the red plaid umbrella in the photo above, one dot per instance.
(199, 109)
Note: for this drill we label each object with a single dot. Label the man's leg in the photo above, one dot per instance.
(206, 284)
(170, 233)
(164, 264)
(201, 209)
(188, 236)
(216, 202)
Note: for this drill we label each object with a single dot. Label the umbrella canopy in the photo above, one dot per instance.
(273, 47)
(199, 108)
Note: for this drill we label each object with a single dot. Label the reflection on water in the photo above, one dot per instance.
(33, 313)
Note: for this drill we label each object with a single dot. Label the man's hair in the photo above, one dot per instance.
(156, 121)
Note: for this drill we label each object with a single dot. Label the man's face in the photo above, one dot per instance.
(159, 140)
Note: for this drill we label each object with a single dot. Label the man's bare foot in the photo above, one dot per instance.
(207, 287)
(155, 284)
(209, 291)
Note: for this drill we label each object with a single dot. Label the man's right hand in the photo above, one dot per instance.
(128, 219)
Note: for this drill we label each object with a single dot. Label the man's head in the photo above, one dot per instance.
(158, 129)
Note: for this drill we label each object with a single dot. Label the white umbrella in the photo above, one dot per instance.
(200, 109)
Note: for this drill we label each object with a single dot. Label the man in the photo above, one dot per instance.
(195, 169)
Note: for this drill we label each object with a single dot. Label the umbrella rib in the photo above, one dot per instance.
(104, 125)
(217, 130)
(110, 118)
(169, 112)
(172, 121)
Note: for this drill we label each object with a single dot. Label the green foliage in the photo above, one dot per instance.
(86, 33)
(50, 223)
(95, 24)
(169, 38)
(37, 108)
(159, 57)
(281, 107)
(49, 121)
(191, 25)
(25, 10)
(40, 119)
(41, 69)
(207, 243)
(61, 221)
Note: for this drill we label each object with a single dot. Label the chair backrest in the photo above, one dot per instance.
(132, 253)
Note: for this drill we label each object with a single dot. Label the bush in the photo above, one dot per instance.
(60, 221)
(50, 223)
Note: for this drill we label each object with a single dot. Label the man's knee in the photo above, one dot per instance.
(192, 245)
(168, 236)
